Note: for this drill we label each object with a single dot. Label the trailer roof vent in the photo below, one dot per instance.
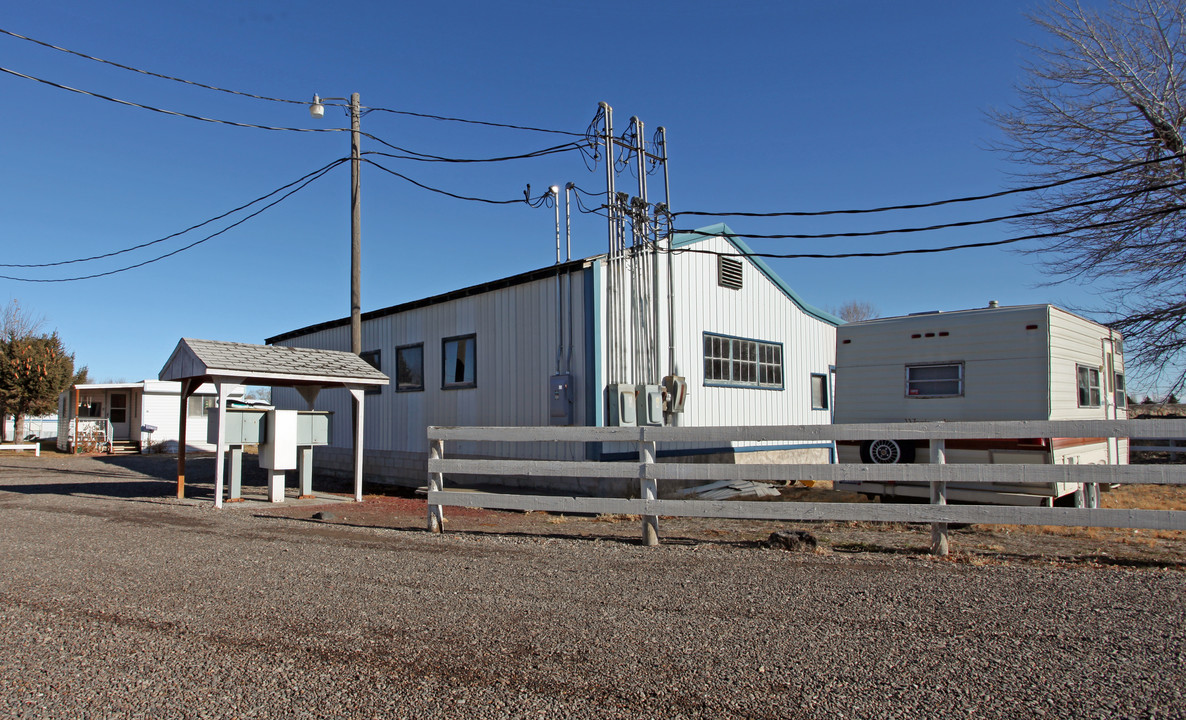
(729, 272)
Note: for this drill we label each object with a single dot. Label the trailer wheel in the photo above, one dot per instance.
(886, 452)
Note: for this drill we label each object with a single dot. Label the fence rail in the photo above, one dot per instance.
(938, 475)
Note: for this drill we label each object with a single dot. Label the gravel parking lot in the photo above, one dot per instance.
(119, 601)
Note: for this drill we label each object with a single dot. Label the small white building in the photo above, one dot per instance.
(1028, 362)
(555, 345)
(133, 415)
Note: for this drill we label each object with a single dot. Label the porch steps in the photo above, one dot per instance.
(124, 447)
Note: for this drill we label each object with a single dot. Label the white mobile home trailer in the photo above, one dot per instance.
(1030, 362)
(134, 415)
(552, 347)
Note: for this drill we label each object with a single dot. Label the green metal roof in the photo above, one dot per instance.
(724, 231)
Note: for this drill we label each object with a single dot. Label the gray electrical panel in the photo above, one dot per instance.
(650, 405)
(560, 399)
(623, 405)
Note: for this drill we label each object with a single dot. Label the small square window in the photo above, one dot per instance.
(819, 392)
(199, 405)
(459, 362)
(374, 359)
(409, 368)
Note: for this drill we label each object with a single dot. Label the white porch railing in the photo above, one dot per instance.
(649, 473)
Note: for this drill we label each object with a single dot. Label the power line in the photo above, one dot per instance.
(527, 199)
(310, 178)
(476, 122)
(922, 251)
(937, 203)
(162, 111)
(274, 99)
(944, 226)
(319, 172)
(425, 157)
(147, 72)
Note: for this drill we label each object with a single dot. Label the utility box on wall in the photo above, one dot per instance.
(650, 405)
(243, 427)
(623, 405)
(560, 399)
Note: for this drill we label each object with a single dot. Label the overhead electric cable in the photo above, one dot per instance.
(165, 112)
(937, 203)
(445, 192)
(476, 122)
(316, 175)
(272, 99)
(923, 251)
(944, 226)
(318, 172)
(147, 72)
(425, 157)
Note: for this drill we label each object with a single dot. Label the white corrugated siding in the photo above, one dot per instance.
(516, 330)
(760, 310)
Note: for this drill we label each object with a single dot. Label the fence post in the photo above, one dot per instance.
(436, 483)
(939, 544)
(649, 491)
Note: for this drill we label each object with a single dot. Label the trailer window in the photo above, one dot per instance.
(742, 362)
(946, 380)
(1089, 386)
(1121, 391)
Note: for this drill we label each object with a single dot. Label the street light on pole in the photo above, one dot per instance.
(317, 110)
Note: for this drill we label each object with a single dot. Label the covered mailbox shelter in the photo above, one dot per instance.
(228, 365)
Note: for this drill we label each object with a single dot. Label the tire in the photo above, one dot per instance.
(886, 452)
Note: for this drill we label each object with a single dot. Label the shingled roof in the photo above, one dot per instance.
(268, 364)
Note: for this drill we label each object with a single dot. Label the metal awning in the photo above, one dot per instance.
(228, 364)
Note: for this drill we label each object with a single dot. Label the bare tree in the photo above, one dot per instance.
(856, 310)
(1106, 97)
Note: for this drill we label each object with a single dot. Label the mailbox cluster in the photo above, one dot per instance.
(286, 439)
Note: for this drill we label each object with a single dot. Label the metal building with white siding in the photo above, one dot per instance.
(751, 351)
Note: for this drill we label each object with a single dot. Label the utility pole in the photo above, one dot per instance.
(355, 230)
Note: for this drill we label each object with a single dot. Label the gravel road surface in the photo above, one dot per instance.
(119, 601)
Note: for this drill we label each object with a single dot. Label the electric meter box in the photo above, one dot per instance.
(623, 405)
(560, 399)
(677, 392)
(243, 427)
(650, 405)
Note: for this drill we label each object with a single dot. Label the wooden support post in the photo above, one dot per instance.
(187, 387)
(359, 413)
(649, 490)
(939, 540)
(436, 483)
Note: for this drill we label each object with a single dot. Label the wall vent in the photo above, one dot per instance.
(729, 272)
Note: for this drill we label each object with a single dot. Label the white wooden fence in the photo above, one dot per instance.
(649, 473)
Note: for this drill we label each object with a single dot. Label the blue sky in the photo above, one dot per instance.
(768, 106)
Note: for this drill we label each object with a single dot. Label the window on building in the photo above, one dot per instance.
(409, 368)
(459, 362)
(90, 408)
(819, 392)
(1121, 391)
(199, 405)
(375, 360)
(738, 361)
(119, 408)
(1089, 386)
(938, 380)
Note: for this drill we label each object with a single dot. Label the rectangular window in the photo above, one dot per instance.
(90, 408)
(946, 380)
(1089, 386)
(819, 392)
(200, 405)
(737, 361)
(409, 368)
(376, 361)
(1121, 391)
(459, 362)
